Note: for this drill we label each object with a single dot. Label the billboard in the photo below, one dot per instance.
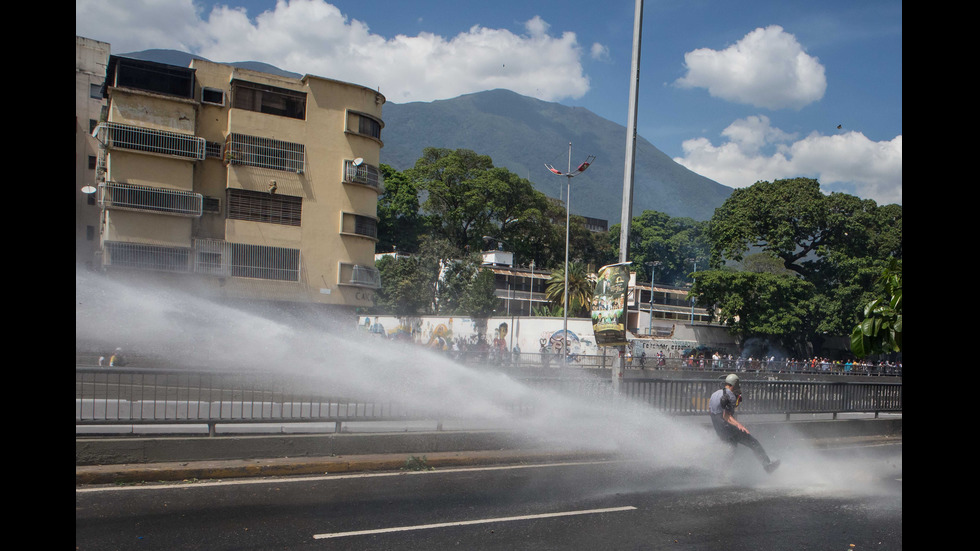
(609, 305)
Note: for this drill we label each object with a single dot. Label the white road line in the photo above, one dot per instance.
(331, 477)
(469, 522)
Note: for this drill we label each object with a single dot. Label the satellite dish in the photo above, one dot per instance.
(88, 190)
(358, 161)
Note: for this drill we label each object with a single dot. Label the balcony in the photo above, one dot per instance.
(356, 172)
(132, 197)
(242, 149)
(148, 140)
(359, 276)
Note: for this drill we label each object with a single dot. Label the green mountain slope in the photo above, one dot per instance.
(523, 134)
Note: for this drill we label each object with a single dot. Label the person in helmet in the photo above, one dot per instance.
(721, 407)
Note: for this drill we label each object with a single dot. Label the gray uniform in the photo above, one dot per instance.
(724, 400)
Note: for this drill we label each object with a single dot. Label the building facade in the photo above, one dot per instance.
(258, 186)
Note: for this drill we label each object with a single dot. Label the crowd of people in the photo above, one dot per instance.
(816, 364)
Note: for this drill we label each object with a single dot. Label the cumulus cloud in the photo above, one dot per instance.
(767, 68)
(754, 150)
(313, 36)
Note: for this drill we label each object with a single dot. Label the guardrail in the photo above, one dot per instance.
(652, 363)
(119, 396)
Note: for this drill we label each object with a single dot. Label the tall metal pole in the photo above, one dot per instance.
(568, 199)
(627, 214)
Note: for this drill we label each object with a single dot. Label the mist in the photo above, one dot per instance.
(191, 331)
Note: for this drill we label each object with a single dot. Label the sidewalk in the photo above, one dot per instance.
(257, 457)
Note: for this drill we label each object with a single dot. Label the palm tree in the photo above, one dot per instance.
(579, 290)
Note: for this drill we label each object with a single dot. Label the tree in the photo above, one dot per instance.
(656, 236)
(407, 286)
(468, 197)
(580, 290)
(881, 329)
(835, 242)
(479, 300)
(757, 304)
(400, 223)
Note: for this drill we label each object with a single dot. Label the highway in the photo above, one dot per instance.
(848, 498)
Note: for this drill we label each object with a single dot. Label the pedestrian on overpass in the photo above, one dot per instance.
(721, 407)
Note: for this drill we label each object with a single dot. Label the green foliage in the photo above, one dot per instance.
(400, 222)
(580, 290)
(881, 329)
(673, 242)
(479, 300)
(834, 242)
(414, 463)
(757, 304)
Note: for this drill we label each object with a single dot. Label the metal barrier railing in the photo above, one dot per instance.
(113, 396)
(652, 363)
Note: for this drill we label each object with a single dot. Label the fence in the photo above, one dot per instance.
(117, 396)
(736, 365)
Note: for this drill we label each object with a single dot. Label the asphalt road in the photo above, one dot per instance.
(844, 499)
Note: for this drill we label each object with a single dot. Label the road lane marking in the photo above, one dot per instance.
(334, 476)
(470, 522)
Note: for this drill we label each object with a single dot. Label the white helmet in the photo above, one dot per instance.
(732, 380)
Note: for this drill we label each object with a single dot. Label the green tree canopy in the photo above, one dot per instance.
(673, 242)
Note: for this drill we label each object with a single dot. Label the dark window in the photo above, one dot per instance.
(242, 149)
(264, 262)
(369, 127)
(213, 95)
(152, 77)
(211, 205)
(268, 99)
(259, 206)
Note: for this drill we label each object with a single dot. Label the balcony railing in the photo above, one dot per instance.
(149, 140)
(364, 174)
(359, 276)
(175, 202)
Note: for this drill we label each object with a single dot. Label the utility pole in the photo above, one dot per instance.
(627, 214)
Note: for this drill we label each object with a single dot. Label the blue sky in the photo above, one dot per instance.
(736, 91)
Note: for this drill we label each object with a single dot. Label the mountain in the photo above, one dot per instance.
(523, 134)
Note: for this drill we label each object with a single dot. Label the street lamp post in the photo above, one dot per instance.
(652, 266)
(568, 175)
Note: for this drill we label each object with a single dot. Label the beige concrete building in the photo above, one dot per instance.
(91, 57)
(260, 186)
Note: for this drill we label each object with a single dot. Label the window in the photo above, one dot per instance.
(364, 125)
(258, 206)
(211, 257)
(146, 257)
(264, 262)
(356, 224)
(242, 149)
(212, 150)
(212, 96)
(268, 99)
(95, 91)
(151, 76)
(211, 205)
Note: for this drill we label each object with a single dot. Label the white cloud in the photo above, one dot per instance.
(755, 150)
(600, 51)
(313, 36)
(767, 68)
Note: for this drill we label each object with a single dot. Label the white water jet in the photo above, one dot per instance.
(191, 331)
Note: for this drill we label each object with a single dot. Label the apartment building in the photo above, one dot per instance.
(91, 58)
(258, 186)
